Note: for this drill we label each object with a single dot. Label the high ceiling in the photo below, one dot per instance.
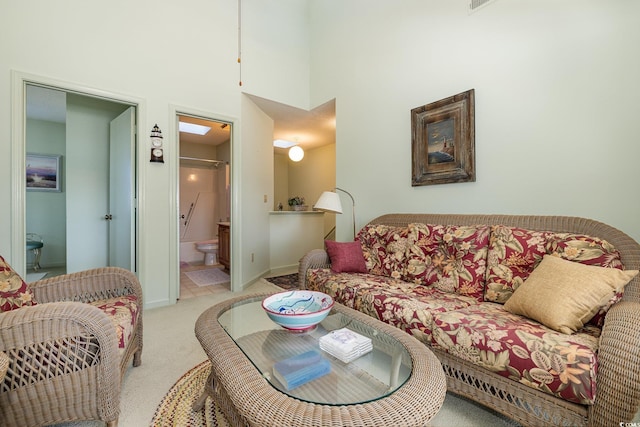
(309, 129)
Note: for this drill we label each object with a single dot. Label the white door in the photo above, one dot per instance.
(122, 191)
(86, 183)
(93, 172)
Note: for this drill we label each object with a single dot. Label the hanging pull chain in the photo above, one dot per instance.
(240, 40)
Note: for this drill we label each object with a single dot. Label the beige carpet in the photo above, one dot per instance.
(171, 349)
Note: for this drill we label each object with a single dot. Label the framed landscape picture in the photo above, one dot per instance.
(44, 172)
(443, 141)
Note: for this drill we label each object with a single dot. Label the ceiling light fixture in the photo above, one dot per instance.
(296, 153)
(193, 128)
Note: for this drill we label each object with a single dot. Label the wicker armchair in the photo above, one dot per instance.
(65, 363)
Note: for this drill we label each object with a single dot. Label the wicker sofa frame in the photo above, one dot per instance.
(63, 357)
(618, 381)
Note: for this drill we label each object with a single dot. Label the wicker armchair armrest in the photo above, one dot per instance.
(618, 382)
(4, 365)
(50, 344)
(316, 258)
(88, 286)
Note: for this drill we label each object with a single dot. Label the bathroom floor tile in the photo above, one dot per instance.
(188, 289)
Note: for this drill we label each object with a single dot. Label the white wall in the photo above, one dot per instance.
(256, 197)
(557, 87)
(163, 54)
(556, 101)
(316, 173)
(308, 178)
(293, 234)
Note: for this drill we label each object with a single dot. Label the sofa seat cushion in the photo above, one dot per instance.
(344, 287)
(450, 258)
(410, 309)
(123, 312)
(384, 248)
(522, 349)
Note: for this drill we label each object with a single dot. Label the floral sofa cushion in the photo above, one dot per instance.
(123, 312)
(451, 258)
(384, 248)
(515, 252)
(410, 309)
(345, 287)
(14, 292)
(408, 306)
(521, 349)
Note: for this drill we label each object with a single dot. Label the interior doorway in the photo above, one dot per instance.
(93, 140)
(204, 203)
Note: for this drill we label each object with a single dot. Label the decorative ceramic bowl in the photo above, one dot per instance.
(298, 311)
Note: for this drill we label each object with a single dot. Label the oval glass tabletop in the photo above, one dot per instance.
(316, 375)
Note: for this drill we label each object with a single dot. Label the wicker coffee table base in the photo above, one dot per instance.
(248, 399)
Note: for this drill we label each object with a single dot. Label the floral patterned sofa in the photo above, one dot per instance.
(537, 317)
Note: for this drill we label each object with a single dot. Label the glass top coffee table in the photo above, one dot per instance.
(400, 382)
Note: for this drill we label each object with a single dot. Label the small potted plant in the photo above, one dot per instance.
(297, 203)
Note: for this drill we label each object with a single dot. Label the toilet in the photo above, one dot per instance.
(210, 250)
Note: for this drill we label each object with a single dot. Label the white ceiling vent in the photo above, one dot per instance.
(478, 4)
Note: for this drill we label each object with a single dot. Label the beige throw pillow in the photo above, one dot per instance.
(564, 295)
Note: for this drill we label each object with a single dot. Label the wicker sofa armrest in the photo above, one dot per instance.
(88, 286)
(316, 258)
(618, 393)
(67, 347)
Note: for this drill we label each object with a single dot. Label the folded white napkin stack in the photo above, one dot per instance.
(345, 344)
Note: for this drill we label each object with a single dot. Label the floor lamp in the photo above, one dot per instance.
(329, 201)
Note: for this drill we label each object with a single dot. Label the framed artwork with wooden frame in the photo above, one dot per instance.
(443, 141)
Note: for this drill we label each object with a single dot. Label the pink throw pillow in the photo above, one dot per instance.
(14, 292)
(346, 257)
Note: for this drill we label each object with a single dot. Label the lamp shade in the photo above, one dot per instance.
(329, 201)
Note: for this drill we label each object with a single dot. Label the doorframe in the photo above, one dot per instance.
(19, 82)
(174, 243)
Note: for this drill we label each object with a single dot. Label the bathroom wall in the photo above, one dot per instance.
(204, 196)
(197, 203)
